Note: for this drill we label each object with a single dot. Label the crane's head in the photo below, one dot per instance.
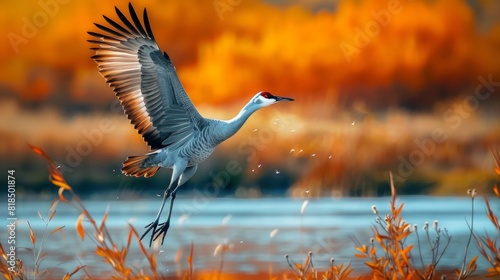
(264, 98)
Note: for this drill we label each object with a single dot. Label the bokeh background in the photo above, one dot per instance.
(410, 87)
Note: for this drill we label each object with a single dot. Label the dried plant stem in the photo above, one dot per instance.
(463, 271)
(419, 249)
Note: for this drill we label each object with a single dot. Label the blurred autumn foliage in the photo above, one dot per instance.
(418, 51)
(339, 60)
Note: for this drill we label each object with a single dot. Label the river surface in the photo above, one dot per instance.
(257, 233)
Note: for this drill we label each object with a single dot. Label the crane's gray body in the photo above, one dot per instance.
(202, 143)
(195, 150)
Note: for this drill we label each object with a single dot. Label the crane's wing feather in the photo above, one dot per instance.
(145, 81)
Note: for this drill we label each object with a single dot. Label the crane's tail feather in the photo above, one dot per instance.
(136, 166)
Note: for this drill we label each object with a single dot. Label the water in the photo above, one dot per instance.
(326, 227)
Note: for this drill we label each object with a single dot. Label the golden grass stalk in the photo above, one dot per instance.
(389, 257)
(307, 271)
(23, 272)
(487, 245)
(390, 233)
(106, 248)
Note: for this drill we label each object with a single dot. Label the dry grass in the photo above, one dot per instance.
(387, 257)
(390, 257)
(487, 245)
(307, 271)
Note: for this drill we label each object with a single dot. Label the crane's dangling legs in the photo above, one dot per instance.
(176, 173)
(185, 176)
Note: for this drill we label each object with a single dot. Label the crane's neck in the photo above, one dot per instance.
(230, 127)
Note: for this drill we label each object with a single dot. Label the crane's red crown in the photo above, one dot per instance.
(266, 94)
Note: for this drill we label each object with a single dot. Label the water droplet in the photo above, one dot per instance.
(58, 167)
(114, 170)
(304, 205)
(253, 170)
(353, 123)
(117, 197)
(277, 172)
(158, 195)
(301, 151)
(218, 249)
(273, 232)
(330, 157)
(313, 155)
(258, 166)
(292, 150)
(255, 130)
(183, 218)
(292, 131)
(241, 241)
(226, 220)
(307, 191)
(161, 251)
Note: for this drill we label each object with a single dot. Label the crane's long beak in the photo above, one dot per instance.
(280, 98)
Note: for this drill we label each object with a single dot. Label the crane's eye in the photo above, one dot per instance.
(265, 94)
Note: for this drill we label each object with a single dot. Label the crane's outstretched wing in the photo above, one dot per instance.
(145, 81)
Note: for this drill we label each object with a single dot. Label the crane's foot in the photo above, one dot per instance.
(151, 227)
(162, 231)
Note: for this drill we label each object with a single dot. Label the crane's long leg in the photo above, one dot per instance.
(185, 176)
(152, 226)
(162, 231)
(176, 173)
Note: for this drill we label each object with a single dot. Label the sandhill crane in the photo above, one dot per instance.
(146, 84)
